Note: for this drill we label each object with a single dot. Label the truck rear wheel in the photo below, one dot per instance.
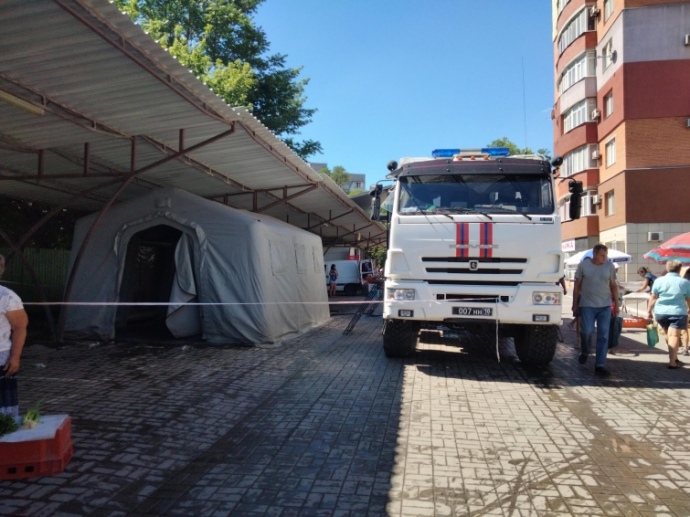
(536, 344)
(400, 338)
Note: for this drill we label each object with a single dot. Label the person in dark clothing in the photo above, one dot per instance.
(332, 280)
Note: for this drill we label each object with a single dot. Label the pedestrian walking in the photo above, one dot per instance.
(669, 304)
(595, 296)
(685, 333)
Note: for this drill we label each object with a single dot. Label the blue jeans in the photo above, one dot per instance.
(602, 316)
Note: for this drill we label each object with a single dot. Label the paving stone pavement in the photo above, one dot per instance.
(326, 425)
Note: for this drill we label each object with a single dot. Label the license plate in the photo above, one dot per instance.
(473, 311)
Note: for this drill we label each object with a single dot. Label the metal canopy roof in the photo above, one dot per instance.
(91, 105)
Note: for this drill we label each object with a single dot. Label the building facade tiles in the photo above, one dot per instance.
(630, 114)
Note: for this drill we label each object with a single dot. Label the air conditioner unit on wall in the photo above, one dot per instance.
(596, 155)
(596, 199)
(655, 236)
(596, 113)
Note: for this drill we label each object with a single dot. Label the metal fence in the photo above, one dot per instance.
(50, 266)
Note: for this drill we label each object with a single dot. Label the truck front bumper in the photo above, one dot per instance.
(524, 304)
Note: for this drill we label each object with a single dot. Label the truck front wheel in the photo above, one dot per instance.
(536, 344)
(400, 338)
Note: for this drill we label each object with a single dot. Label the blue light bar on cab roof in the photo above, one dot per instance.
(444, 153)
(496, 151)
(491, 151)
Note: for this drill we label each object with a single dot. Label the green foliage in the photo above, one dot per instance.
(355, 192)
(514, 149)
(17, 217)
(234, 80)
(219, 42)
(544, 152)
(339, 175)
(34, 412)
(305, 148)
(378, 253)
(8, 424)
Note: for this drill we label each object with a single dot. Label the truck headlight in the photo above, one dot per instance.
(400, 294)
(545, 298)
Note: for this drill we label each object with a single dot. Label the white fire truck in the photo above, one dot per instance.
(475, 244)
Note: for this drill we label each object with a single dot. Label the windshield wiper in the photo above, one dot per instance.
(511, 211)
(464, 210)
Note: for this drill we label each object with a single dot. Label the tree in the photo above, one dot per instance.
(339, 175)
(378, 253)
(218, 41)
(17, 217)
(514, 149)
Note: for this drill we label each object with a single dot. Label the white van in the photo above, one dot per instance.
(350, 275)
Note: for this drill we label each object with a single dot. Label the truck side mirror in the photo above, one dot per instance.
(575, 188)
(376, 202)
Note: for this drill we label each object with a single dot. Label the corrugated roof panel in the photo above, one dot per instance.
(102, 81)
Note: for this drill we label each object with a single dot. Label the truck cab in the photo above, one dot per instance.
(475, 244)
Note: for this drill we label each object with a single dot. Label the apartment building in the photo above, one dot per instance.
(622, 122)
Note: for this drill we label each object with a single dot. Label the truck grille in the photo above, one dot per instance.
(460, 265)
(474, 298)
(481, 260)
(468, 271)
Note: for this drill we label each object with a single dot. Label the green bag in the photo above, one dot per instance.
(652, 335)
(615, 330)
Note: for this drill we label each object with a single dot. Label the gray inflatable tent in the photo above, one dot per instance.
(190, 266)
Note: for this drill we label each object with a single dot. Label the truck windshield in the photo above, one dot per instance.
(485, 193)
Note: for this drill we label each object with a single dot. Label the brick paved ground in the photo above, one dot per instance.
(326, 425)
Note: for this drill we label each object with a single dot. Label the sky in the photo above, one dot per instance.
(401, 78)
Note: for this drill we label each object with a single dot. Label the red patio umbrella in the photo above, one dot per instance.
(676, 248)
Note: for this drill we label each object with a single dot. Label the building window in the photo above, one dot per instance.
(610, 203)
(573, 30)
(578, 114)
(608, 9)
(610, 152)
(608, 104)
(607, 54)
(588, 204)
(581, 67)
(564, 210)
(612, 245)
(578, 160)
(561, 5)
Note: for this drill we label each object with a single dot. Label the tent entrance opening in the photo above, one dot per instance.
(147, 278)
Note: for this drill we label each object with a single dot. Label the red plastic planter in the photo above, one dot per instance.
(43, 451)
(634, 323)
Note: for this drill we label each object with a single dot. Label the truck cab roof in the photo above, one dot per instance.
(488, 159)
